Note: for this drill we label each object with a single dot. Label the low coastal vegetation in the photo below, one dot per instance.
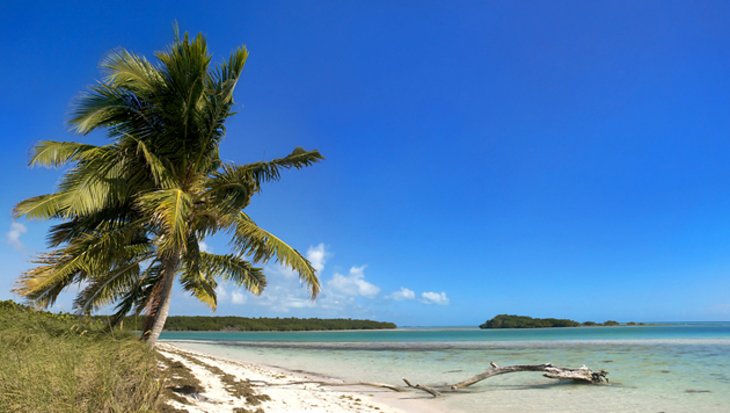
(518, 321)
(62, 363)
(232, 323)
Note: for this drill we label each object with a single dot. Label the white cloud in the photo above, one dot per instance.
(432, 297)
(403, 294)
(221, 293)
(353, 284)
(318, 255)
(341, 294)
(237, 297)
(204, 246)
(278, 269)
(13, 235)
(283, 294)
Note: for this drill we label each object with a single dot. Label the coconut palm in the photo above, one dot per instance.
(134, 211)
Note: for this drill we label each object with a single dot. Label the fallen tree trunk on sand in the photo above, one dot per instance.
(583, 374)
(580, 375)
(429, 390)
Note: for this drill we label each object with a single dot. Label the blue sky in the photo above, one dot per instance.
(550, 158)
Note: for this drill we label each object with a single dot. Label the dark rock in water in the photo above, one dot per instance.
(665, 371)
(697, 391)
(607, 361)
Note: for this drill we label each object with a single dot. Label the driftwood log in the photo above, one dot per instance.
(429, 390)
(580, 375)
(583, 374)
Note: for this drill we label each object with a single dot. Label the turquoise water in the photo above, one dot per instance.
(662, 368)
(675, 331)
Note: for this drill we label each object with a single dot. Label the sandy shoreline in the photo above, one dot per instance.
(290, 391)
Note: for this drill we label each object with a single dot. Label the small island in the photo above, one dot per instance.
(519, 321)
(233, 323)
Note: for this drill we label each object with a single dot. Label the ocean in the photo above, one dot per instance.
(677, 367)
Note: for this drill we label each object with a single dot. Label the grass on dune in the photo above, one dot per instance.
(60, 363)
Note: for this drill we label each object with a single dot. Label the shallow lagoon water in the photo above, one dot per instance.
(667, 368)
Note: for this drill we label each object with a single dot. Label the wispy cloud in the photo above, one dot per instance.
(353, 284)
(432, 297)
(285, 292)
(204, 246)
(221, 293)
(318, 255)
(237, 297)
(344, 294)
(13, 235)
(402, 294)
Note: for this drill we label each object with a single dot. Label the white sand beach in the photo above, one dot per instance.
(289, 391)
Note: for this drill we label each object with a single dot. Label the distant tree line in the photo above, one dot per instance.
(233, 323)
(517, 321)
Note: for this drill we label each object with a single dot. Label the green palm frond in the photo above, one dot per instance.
(160, 172)
(233, 268)
(105, 289)
(104, 105)
(262, 246)
(86, 194)
(107, 220)
(54, 153)
(96, 182)
(230, 189)
(88, 255)
(127, 70)
(226, 76)
(135, 297)
(171, 209)
(53, 272)
(200, 286)
(270, 171)
(41, 207)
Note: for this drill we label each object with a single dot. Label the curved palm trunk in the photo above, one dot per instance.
(159, 312)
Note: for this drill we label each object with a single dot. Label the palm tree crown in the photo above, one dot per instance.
(134, 211)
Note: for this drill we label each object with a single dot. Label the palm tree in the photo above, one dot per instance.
(134, 211)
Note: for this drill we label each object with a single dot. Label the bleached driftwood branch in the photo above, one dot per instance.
(429, 390)
(583, 374)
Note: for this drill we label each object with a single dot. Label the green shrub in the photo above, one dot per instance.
(517, 321)
(234, 323)
(61, 363)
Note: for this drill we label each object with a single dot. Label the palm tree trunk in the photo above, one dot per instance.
(158, 315)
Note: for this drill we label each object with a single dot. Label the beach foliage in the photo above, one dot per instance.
(131, 214)
(516, 321)
(232, 323)
(62, 363)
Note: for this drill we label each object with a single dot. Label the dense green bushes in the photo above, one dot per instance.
(516, 321)
(60, 363)
(519, 321)
(232, 323)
